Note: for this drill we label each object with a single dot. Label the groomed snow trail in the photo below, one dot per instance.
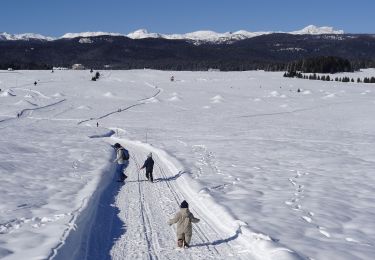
(145, 208)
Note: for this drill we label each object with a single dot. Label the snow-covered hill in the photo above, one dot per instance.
(88, 34)
(215, 37)
(312, 29)
(24, 37)
(198, 36)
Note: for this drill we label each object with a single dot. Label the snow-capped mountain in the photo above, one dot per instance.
(215, 37)
(312, 29)
(198, 36)
(143, 33)
(24, 37)
(88, 34)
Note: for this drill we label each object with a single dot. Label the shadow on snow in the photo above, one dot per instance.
(219, 241)
(172, 178)
(98, 226)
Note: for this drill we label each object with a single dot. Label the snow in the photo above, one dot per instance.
(88, 34)
(271, 173)
(143, 33)
(197, 36)
(24, 37)
(312, 29)
(215, 37)
(85, 40)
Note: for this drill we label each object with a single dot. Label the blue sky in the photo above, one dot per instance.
(56, 17)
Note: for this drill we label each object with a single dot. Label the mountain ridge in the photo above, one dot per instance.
(269, 52)
(197, 36)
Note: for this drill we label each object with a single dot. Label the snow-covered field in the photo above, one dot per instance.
(271, 173)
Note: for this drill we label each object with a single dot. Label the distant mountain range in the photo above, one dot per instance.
(192, 51)
(198, 36)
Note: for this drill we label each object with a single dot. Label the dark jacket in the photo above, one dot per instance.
(149, 164)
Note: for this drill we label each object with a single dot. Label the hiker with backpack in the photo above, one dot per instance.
(184, 219)
(149, 165)
(122, 159)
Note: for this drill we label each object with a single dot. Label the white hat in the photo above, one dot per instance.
(149, 155)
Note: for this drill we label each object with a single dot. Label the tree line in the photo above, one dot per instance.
(314, 76)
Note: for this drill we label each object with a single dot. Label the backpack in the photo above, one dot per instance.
(125, 154)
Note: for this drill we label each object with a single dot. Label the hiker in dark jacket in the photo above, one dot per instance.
(149, 165)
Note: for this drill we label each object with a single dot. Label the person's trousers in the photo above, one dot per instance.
(149, 175)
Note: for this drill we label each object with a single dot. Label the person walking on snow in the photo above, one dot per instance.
(149, 165)
(184, 219)
(122, 159)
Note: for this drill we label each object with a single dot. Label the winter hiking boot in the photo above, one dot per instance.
(180, 243)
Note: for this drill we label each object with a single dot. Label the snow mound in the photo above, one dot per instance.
(7, 94)
(109, 94)
(58, 94)
(174, 97)
(332, 95)
(274, 94)
(306, 92)
(4, 94)
(84, 107)
(153, 100)
(217, 99)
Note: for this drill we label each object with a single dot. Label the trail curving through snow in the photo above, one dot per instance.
(129, 221)
(145, 208)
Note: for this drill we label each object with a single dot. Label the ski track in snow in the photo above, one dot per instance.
(145, 209)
